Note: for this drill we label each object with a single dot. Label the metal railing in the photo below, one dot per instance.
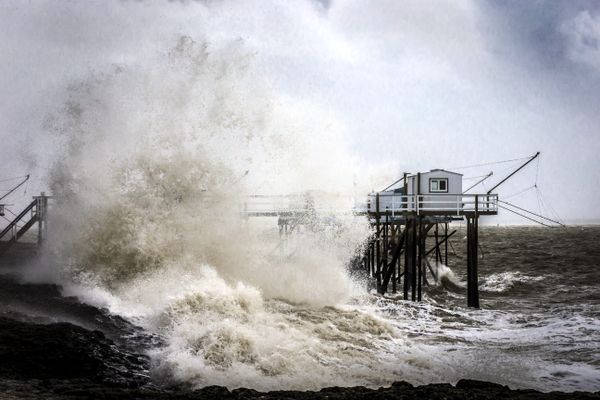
(275, 205)
(445, 204)
(448, 204)
(35, 212)
(12, 228)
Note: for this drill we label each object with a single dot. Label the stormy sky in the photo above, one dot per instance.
(416, 85)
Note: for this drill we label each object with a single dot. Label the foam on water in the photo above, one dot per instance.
(154, 163)
(504, 281)
(154, 166)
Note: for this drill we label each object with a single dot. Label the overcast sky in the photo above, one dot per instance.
(415, 84)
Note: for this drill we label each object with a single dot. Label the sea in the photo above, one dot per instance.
(151, 163)
(538, 326)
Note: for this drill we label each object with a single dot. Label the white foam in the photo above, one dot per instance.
(149, 183)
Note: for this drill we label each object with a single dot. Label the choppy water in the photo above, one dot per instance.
(539, 326)
(539, 322)
(150, 165)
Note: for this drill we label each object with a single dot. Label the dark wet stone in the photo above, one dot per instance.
(66, 351)
(402, 384)
(475, 384)
(44, 360)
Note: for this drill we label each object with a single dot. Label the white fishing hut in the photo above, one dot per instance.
(437, 190)
(436, 181)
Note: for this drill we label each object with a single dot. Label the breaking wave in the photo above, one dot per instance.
(446, 278)
(505, 281)
(154, 163)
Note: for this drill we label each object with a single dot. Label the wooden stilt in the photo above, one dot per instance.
(446, 244)
(408, 235)
(373, 257)
(420, 252)
(395, 243)
(472, 247)
(378, 244)
(413, 259)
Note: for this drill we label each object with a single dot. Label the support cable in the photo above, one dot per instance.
(23, 181)
(548, 205)
(15, 215)
(530, 212)
(524, 216)
(13, 178)
(472, 178)
(519, 192)
(16, 224)
(537, 170)
(490, 163)
(395, 182)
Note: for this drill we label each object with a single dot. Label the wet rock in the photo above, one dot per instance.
(66, 351)
(67, 362)
(474, 384)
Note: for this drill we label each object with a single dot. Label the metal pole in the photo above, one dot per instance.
(517, 170)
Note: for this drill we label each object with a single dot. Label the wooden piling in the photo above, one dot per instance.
(420, 251)
(413, 259)
(394, 263)
(446, 244)
(407, 256)
(378, 243)
(472, 247)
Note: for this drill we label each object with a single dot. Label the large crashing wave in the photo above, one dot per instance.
(156, 161)
(159, 159)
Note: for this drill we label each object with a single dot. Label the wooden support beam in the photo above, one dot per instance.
(444, 240)
(390, 271)
(372, 257)
(378, 243)
(434, 274)
(472, 247)
(446, 243)
(438, 253)
(408, 239)
(420, 250)
(413, 259)
(368, 259)
(394, 242)
(384, 255)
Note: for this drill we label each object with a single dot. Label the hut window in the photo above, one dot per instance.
(438, 185)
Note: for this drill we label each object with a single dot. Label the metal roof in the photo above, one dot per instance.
(445, 170)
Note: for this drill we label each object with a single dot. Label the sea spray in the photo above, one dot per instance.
(445, 277)
(156, 162)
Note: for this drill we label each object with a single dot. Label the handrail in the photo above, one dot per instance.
(435, 202)
(19, 217)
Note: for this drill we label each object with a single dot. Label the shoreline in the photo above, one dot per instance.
(90, 357)
(65, 361)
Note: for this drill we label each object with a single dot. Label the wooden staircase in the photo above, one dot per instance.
(34, 213)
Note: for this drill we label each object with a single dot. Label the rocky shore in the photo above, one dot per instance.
(96, 355)
(65, 361)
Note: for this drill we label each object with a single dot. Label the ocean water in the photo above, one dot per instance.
(151, 164)
(538, 326)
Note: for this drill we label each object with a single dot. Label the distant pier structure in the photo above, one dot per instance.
(410, 224)
(409, 219)
(35, 214)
